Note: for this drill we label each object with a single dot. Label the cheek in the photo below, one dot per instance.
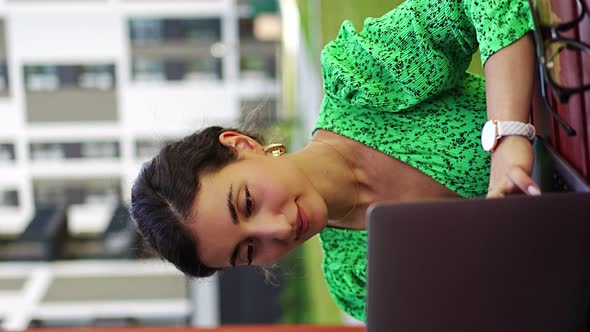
(273, 193)
(316, 213)
(272, 252)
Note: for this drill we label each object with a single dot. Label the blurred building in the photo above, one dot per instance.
(90, 89)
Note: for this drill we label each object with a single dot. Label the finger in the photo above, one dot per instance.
(499, 190)
(495, 193)
(523, 181)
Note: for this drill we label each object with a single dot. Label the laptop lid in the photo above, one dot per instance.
(513, 264)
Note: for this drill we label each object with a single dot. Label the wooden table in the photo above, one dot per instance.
(236, 328)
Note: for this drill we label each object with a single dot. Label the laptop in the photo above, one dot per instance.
(512, 265)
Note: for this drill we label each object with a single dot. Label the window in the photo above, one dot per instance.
(204, 68)
(70, 93)
(9, 198)
(175, 49)
(246, 28)
(145, 69)
(197, 68)
(86, 150)
(67, 191)
(257, 66)
(192, 29)
(41, 78)
(162, 30)
(4, 82)
(158, 30)
(145, 31)
(100, 150)
(258, 59)
(47, 151)
(7, 153)
(55, 77)
(100, 77)
(147, 149)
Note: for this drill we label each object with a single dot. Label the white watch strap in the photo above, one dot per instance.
(507, 128)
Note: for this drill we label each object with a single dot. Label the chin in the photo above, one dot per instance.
(323, 223)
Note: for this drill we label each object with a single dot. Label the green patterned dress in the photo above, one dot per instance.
(400, 86)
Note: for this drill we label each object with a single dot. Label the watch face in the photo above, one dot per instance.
(488, 136)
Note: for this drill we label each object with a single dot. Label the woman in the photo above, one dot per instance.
(400, 121)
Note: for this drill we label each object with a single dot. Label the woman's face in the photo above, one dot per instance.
(257, 208)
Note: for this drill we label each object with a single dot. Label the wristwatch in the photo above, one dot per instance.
(493, 130)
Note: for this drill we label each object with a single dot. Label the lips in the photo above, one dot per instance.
(302, 223)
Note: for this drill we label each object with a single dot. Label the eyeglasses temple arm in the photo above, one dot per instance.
(566, 127)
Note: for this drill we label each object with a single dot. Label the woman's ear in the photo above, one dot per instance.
(239, 142)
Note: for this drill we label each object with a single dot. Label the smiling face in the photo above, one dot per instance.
(255, 210)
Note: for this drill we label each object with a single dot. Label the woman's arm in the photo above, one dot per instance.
(509, 84)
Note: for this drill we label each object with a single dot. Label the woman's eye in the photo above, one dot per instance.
(250, 251)
(248, 203)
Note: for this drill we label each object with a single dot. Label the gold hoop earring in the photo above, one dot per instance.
(275, 150)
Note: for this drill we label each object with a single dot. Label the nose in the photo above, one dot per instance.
(272, 227)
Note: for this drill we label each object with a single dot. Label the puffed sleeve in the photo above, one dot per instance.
(416, 51)
(498, 23)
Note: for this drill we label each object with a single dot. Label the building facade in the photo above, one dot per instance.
(91, 89)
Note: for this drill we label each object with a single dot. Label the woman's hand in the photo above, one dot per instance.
(512, 164)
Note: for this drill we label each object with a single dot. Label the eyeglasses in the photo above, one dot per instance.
(553, 52)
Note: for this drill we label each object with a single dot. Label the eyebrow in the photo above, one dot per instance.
(234, 216)
(231, 206)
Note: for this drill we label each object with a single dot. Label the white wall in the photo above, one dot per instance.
(66, 37)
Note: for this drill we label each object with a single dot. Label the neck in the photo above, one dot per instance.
(325, 164)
